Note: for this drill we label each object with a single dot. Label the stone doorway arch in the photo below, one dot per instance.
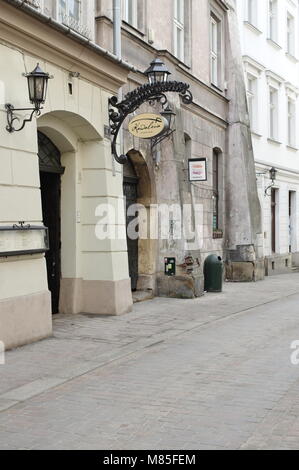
(94, 273)
(142, 175)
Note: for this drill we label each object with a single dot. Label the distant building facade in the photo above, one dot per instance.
(270, 48)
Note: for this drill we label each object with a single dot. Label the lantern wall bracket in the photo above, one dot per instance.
(149, 93)
(267, 193)
(11, 118)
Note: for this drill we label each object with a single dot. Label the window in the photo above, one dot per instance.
(273, 20)
(252, 99)
(291, 122)
(179, 29)
(69, 9)
(131, 12)
(251, 12)
(290, 34)
(215, 190)
(273, 112)
(215, 50)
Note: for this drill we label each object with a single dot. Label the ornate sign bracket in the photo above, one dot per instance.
(149, 93)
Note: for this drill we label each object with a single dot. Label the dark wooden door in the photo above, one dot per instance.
(273, 220)
(50, 180)
(130, 193)
(50, 192)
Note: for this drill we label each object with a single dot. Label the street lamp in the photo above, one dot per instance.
(37, 81)
(272, 173)
(169, 115)
(157, 72)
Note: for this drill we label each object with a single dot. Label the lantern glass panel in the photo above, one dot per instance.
(39, 89)
(31, 88)
(160, 77)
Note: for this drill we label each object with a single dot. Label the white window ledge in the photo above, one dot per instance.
(256, 134)
(274, 43)
(253, 28)
(274, 141)
(292, 148)
(292, 58)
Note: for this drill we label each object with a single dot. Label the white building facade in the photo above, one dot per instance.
(270, 48)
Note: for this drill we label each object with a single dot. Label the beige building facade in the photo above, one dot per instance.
(59, 169)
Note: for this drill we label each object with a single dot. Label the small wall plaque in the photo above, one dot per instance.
(198, 169)
(23, 239)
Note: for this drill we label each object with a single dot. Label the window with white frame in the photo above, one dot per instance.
(252, 99)
(251, 11)
(290, 34)
(215, 50)
(291, 122)
(273, 113)
(69, 9)
(131, 12)
(179, 29)
(73, 13)
(273, 20)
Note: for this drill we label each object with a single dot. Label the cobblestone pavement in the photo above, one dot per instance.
(211, 373)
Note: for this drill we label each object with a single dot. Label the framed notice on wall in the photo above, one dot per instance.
(23, 240)
(198, 169)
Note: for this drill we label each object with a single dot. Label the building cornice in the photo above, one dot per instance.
(274, 77)
(254, 63)
(288, 172)
(41, 36)
(51, 22)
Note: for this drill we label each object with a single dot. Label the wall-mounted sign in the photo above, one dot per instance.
(170, 266)
(23, 240)
(147, 126)
(198, 169)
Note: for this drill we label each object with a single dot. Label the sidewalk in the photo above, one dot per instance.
(82, 343)
(84, 346)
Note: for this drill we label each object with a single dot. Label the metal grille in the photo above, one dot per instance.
(49, 155)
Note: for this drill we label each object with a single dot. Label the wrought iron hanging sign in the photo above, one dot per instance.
(152, 92)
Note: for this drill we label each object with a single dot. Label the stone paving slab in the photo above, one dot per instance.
(206, 373)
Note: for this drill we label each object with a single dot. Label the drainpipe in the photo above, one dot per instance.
(117, 53)
(117, 28)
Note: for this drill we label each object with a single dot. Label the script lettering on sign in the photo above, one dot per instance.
(147, 126)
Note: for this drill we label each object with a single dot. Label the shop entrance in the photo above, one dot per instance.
(50, 180)
(130, 192)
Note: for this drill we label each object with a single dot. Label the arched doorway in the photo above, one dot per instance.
(50, 172)
(130, 183)
(139, 188)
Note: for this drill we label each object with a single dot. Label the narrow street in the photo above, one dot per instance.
(211, 373)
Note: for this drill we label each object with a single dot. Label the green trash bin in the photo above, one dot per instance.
(213, 273)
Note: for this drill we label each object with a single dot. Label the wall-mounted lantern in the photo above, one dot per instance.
(37, 88)
(151, 92)
(272, 173)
